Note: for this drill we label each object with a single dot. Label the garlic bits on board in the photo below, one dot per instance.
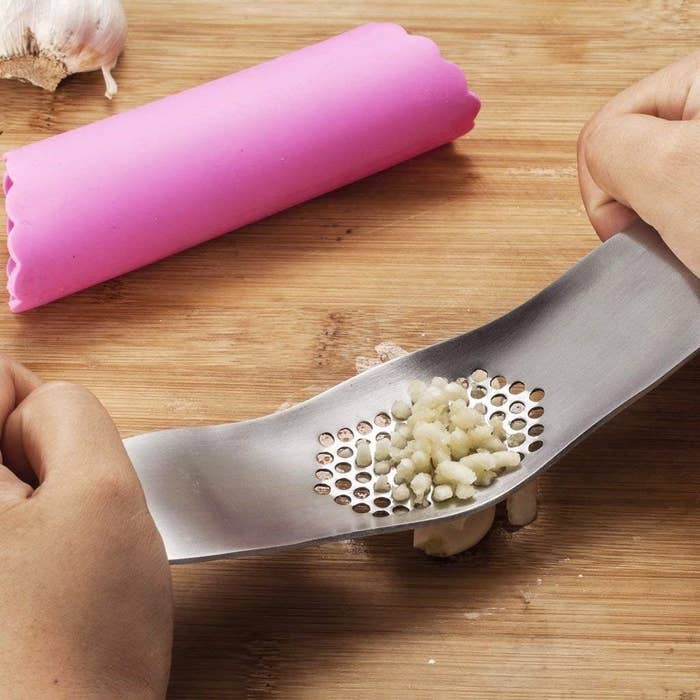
(44, 41)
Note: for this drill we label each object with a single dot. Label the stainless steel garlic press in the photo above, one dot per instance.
(611, 328)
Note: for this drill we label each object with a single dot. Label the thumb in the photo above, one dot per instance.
(16, 383)
(64, 435)
(647, 165)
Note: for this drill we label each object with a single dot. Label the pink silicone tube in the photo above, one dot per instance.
(96, 202)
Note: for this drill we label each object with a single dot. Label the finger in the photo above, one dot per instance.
(607, 215)
(671, 93)
(648, 165)
(16, 383)
(65, 435)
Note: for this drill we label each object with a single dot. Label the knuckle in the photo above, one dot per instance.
(45, 400)
(589, 145)
(61, 386)
(584, 136)
(64, 393)
(112, 485)
(65, 403)
(604, 138)
(5, 364)
(116, 489)
(7, 367)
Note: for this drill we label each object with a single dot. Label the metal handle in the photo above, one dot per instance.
(607, 331)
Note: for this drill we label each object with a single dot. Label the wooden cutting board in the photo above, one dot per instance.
(599, 598)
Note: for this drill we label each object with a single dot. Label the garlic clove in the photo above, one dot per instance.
(44, 41)
(522, 505)
(445, 539)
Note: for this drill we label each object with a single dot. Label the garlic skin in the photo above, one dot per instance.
(44, 41)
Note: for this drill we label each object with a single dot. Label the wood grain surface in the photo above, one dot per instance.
(599, 598)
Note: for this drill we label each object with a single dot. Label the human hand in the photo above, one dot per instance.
(85, 592)
(639, 157)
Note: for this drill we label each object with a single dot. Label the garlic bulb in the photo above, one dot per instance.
(44, 41)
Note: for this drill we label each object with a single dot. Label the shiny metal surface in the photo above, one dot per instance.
(616, 324)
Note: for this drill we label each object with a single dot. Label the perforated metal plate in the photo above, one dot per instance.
(338, 476)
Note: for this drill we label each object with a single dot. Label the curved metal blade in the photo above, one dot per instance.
(607, 331)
